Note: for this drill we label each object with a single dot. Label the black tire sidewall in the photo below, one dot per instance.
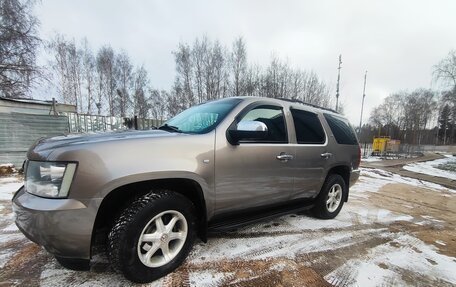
(132, 267)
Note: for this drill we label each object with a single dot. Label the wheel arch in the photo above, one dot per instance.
(344, 172)
(119, 198)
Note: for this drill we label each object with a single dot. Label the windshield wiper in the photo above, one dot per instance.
(167, 127)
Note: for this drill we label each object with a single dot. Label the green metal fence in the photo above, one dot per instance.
(19, 131)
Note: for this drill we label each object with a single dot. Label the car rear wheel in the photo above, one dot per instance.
(331, 198)
(153, 236)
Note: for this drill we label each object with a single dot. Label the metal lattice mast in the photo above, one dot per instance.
(362, 103)
(338, 81)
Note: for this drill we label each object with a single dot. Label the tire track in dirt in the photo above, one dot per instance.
(253, 269)
(25, 267)
(347, 274)
(320, 263)
(429, 233)
(416, 279)
(180, 277)
(322, 238)
(356, 219)
(266, 272)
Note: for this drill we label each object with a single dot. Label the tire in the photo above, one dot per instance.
(138, 230)
(331, 198)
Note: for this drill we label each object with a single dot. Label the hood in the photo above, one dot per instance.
(46, 145)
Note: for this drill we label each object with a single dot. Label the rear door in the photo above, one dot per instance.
(312, 154)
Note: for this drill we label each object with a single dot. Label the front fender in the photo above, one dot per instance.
(208, 195)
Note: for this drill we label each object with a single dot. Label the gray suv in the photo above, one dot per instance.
(214, 167)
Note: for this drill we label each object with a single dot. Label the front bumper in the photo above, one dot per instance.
(62, 226)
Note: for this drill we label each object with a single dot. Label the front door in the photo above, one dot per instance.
(255, 173)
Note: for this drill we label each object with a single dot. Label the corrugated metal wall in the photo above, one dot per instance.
(19, 131)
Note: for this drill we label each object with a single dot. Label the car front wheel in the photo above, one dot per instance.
(153, 236)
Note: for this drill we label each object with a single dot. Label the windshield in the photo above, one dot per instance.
(202, 118)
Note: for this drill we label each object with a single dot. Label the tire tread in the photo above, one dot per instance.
(119, 230)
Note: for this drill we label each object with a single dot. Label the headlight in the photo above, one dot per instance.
(49, 179)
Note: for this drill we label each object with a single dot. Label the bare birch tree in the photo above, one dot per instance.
(68, 69)
(199, 54)
(445, 70)
(106, 76)
(184, 75)
(18, 47)
(89, 75)
(238, 64)
(158, 100)
(124, 82)
(140, 88)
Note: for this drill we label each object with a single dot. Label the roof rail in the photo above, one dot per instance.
(307, 104)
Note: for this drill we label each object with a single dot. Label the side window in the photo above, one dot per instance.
(308, 127)
(273, 118)
(341, 130)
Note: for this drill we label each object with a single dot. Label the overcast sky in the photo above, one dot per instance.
(398, 42)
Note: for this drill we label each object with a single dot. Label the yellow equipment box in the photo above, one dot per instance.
(379, 144)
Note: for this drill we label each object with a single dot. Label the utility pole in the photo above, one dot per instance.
(362, 104)
(338, 81)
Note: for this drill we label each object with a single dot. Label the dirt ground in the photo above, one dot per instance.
(396, 166)
(422, 204)
(393, 231)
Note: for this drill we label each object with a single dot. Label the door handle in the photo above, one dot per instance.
(284, 157)
(326, 155)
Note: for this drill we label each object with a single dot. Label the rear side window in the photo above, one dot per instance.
(341, 130)
(308, 127)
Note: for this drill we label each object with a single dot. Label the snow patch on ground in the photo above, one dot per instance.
(7, 250)
(291, 235)
(53, 275)
(208, 278)
(385, 262)
(371, 159)
(440, 242)
(8, 186)
(378, 178)
(373, 215)
(430, 167)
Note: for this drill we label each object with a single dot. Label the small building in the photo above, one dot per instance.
(23, 121)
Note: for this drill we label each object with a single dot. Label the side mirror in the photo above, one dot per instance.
(248, 130)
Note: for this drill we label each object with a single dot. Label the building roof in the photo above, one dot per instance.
(33, 106)
(29, 101)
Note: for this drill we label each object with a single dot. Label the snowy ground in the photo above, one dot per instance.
(431, 167)
(394, 231)
(371, 159)
(8, 185)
